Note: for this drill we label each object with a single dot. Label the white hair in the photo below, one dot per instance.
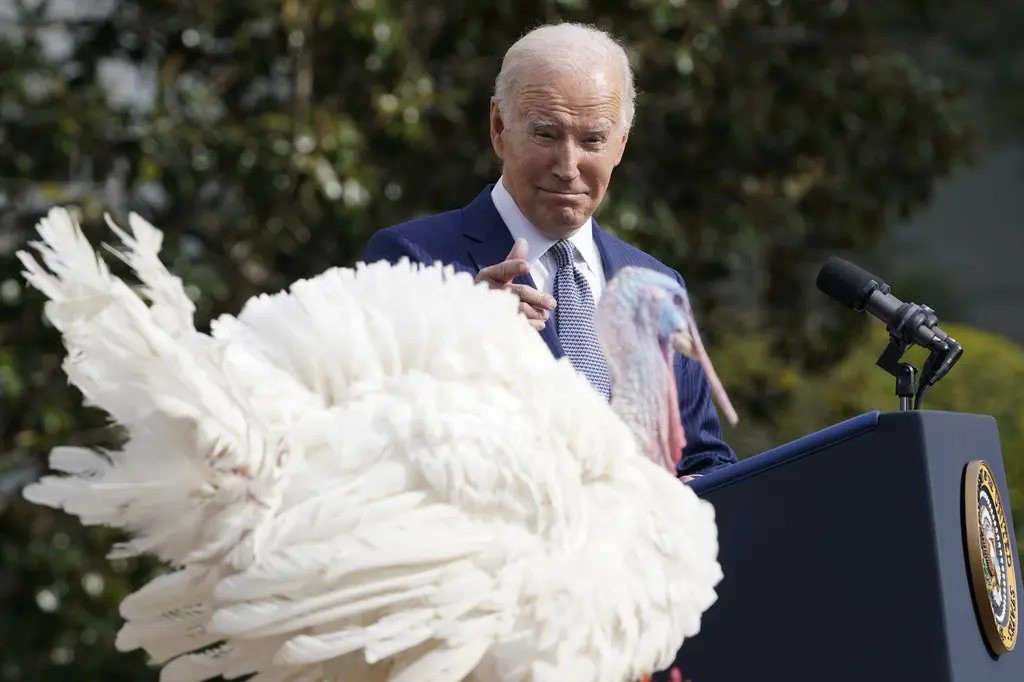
(566, 48)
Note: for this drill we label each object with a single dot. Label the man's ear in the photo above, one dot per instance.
(622, 147)
(497, 130)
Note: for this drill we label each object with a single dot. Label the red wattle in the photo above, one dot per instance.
(676, 435)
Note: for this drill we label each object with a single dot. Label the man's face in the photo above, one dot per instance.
(566, 137)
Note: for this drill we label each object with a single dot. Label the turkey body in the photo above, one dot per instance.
(379, 474)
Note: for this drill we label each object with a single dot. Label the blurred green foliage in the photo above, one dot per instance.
(270, 138)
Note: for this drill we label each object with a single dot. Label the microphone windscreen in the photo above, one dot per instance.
(847, 283)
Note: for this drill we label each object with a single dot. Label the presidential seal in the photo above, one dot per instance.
(992, 558)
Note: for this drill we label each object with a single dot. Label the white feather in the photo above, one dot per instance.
(380, 474)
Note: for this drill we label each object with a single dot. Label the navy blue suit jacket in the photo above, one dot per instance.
(475, 236)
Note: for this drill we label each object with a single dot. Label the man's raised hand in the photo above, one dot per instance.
(535, 305)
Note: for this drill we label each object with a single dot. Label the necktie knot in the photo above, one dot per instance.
(562, 253)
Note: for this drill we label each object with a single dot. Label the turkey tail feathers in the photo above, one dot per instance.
(195, 478)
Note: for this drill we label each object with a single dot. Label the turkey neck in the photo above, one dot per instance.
(644, 396)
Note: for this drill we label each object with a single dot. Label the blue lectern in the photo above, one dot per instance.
(880, 549)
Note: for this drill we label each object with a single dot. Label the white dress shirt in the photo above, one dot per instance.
(542, 263)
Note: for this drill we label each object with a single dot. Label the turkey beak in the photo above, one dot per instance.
(682, 341)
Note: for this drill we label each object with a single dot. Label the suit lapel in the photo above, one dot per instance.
(489, 243)
(611, 255)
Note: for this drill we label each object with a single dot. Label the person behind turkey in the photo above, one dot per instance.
(559, 120)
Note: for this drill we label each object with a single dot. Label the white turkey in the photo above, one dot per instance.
(380, 474)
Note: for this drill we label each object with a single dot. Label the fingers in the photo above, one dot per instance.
(537, 318)
(536, 306)
(533, 312)
(533, 304)
(519, 250)
(500, 274)
(531, 296)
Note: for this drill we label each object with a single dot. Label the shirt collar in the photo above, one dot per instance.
(538, 244)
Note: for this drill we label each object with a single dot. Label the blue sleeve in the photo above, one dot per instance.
(705, 450)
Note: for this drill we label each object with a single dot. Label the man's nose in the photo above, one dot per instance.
(567, 159)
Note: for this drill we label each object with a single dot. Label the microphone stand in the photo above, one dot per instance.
(944, 352)
(891, 361)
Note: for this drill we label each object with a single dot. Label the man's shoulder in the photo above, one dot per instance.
(430, 227)
(425, 239)
(631, 255)
(447, 236)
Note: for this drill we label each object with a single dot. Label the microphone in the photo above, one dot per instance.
(907, 323)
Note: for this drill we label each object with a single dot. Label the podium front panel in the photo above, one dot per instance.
(844, 559)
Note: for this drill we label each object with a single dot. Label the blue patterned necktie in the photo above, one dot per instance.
(574, 319)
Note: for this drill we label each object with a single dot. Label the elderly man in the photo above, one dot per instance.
(560, 116)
